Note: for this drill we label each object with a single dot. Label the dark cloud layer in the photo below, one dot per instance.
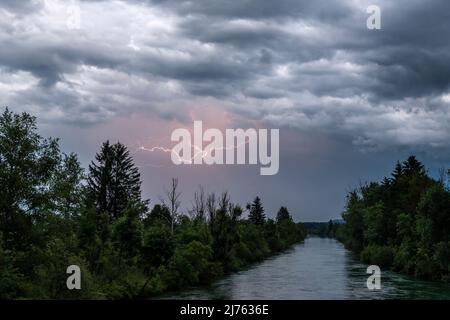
(311, 66)
(21, 7)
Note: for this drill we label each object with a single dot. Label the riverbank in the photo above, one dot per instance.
(319, 268)
(401, 222)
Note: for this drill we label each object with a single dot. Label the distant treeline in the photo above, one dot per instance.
(402, 222)
(54, 214)
(322, 229)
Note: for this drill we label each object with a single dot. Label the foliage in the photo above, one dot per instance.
(402, 222)
(113, 180)
(256, 214)
(53, 215)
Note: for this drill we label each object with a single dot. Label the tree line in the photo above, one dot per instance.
(323, 229)
(53, 214)
(402, 222)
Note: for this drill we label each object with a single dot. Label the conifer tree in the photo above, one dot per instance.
(113, 180)
(256, 214)
(283, 215)
(398, 171)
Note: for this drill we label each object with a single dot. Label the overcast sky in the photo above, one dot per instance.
(348, 101)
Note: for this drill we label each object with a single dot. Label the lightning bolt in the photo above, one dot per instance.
(198, 152)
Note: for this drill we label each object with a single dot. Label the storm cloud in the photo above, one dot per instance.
(309, 66)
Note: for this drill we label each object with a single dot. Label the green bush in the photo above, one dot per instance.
(188, 264)
(382, 256)
(405, 257)
(158, 245)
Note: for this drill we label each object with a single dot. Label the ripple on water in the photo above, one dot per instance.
(316, 269)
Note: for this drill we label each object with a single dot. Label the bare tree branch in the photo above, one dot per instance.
(172, 201)
(199, 205)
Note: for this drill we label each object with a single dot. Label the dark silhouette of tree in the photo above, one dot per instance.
(224, 230)
(413, 166)
(398, 171)
(256, 214)
(172, 202)
(211, 207)
(283, 214)
(199, 205)
(159, 214)
(126, 185)
(113, 180)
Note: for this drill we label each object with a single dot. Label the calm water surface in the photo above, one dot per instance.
(316, 269)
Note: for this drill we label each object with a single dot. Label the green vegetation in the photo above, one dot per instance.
(402, 222)
(323, 229)
(53, 214)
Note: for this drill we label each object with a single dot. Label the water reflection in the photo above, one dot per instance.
(317, 269)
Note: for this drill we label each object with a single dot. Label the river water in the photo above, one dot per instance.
(319, 268)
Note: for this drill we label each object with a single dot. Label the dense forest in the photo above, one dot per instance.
(402, 222)
(54, 214)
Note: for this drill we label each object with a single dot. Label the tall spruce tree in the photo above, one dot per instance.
(113, 180)
(398, 171)
(256, 214)
(412, 166)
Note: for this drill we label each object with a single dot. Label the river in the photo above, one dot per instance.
(319, 268)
